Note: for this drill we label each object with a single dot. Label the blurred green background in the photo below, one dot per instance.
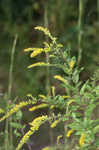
(62, 18)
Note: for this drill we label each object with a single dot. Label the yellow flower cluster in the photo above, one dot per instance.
(24, 139)
(28, 49)
(35, 124)
(70, 101)
(46, 32)
(65, 96)
(52, 106)
(59, 45)
(38, 64)
(58, 138)
(71, 64)
(46, 148)
(38, 107)
(58, 77)
(15, 109)
(42, 96)
(36, 52)
(82, 139)
(1, 111)
(53, 90)
(54, 124)
(69, 132)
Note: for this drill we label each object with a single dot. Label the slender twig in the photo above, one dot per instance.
(47, 55)
(98, 9)
(80, 21)
(48, 71)
(10, 85)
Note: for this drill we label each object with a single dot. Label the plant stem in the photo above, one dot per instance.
(11, 66)
(10, 83)
(48, 71)
(47, 55)
(98, 9)
(81, 5)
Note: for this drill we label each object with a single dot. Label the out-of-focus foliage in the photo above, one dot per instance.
(62, 17)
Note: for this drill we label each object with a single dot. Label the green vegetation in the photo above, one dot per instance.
(75, 107)
(56, 97)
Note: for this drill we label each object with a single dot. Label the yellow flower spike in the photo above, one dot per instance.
(52, 106)
(52, 56)
(70, 101)
(37, 52)
(58, 77)
(54, 124)
(28, 49)
(82, 139)
(46, 44)
(42, 96)
(1, 111)
(53, 90)
(46, 32)
(69, 132)
(71, 64)
(46, 148)
(16, 108)
(46, 50)
(38, 107)
(38, 64)
(35, 124)
(58, 138)
(59, 45)
(65, 96)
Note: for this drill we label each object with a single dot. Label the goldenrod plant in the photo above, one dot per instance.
(76, 107)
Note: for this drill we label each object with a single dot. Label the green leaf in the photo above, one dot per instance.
(17, 133)
(75, 76)
(89, 110)
(19, 115)
(96, 129)
(16, 125)
(83, 88)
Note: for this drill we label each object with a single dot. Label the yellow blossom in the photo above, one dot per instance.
(16, 108)
(46, 148)
(58, 77)
(58, 138)
(46, 32)
(54, 124)
(71, 64)
(1, 111)
(38, 107)
(35, 124)
(59, 45)
(82, 139)
(42, 96)
(37, 52)
(28, 49)
(52, 56)
(65, 96)
(53, 90)
(52, 106)
(69, 132)
(38, 64)
(24, 139)
(70, 101)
